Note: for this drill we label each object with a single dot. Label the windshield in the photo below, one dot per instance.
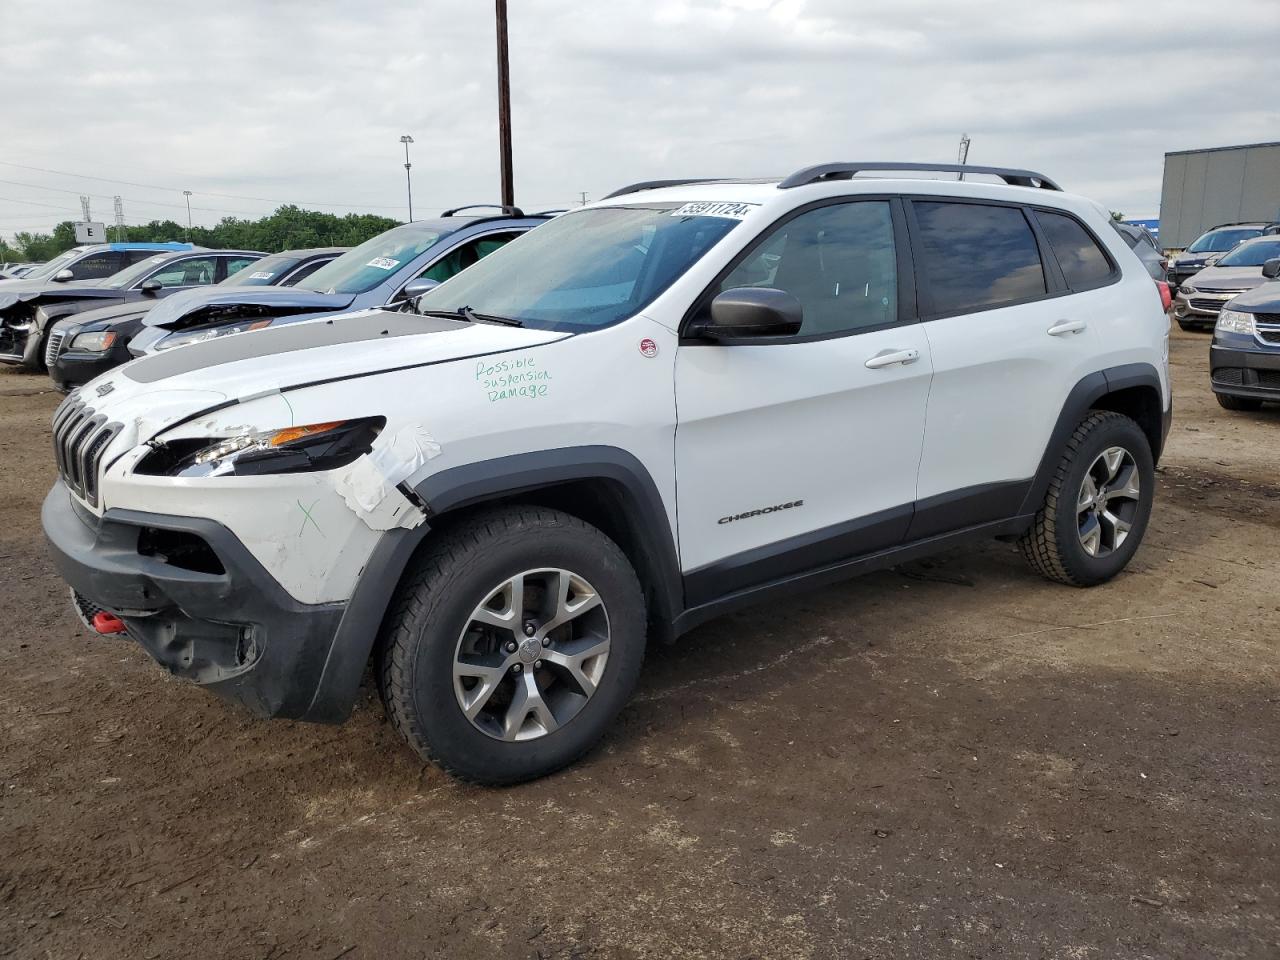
(53, 266)
(265, 272)
(584, 270)
(131, 275)
(1254, 253)
(1215, 241)
(364, 267)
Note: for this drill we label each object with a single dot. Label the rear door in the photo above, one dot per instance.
(796, 452)
(1009, 339)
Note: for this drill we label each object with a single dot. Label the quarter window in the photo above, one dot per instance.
(977, 256)
(1082, 261)
(837, 260)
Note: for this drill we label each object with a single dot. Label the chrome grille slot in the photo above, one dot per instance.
(76, 440)
(93, 452)
(53, 347)
(80, 438)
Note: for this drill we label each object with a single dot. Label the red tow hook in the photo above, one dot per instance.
(107, 623)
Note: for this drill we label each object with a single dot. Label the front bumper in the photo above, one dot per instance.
(1200, 305)
(74, 368)
(1240, 372)
(19, 343)
(198, 601)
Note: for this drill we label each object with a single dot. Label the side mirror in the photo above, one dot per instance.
(150, 287)
(416, 288)
(1271, 269)
(1211, 259)
(750, 312)
(62, 276)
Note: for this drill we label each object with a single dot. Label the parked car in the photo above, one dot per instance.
(392, 267)
(16, 271)
(1143, 243)
(1208, 247)
(27, 317)
(1244, 356)
(90, 343)
(93, 262)
(1203, 295)
(652, 410)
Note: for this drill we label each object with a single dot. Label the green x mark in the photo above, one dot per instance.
(306, 515)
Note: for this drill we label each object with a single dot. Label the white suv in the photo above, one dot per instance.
(689, 396)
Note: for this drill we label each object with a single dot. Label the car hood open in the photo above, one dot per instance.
(195, 307)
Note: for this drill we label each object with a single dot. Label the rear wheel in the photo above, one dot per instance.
(1228, 402)
(1098, 503)
(513, 646)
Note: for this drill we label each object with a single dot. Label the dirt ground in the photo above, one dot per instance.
(950, 759)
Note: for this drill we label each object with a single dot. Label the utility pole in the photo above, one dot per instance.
(504, 106)
(187, 194)
(84, 207)
(119, 204)
(406, 140)
(963, 156)
(583, 195)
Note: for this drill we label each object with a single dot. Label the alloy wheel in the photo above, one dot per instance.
(1108, 502)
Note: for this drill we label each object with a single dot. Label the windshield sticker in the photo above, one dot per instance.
(515, 378)
(383, 263)
(261, 275)
(715, 208)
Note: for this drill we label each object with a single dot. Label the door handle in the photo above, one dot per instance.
(1064, 327)
(887, 358)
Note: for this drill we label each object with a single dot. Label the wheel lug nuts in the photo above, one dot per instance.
(530, 629)
(518, 668)
(511, 647)
(546, 641)
(537, 664)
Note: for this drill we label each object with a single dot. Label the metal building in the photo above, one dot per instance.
(1203, 188)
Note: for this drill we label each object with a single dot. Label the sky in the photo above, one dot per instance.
(254, 104)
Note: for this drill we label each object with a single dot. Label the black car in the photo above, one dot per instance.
(27, 315)
(87, 344)
(1244, 356)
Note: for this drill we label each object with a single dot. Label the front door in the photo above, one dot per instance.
(798, 452)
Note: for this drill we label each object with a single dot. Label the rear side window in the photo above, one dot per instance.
(1082, 261)
(977, 256)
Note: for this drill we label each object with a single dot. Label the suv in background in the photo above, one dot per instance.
(26, 321)
(1201, 296)
(1207, 247)
(1244, 356)
(92, 262)
(90, 343)
(654, 409)
(392, 267)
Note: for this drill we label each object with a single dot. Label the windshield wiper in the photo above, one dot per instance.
(466, 313)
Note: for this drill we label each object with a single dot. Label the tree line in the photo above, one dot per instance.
(288, 228)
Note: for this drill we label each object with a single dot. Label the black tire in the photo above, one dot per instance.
(1052, 545)
(433, 606)
(1189, 325)
(1228, 402)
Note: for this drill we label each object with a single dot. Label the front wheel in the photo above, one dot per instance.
(1098, 503)
(513, 645)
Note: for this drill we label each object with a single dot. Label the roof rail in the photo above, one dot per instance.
(846, 171)
(658, 185)
(508, 211)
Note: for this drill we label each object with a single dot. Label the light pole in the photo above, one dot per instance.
(504, 106)
(187, 194)
(406, 140)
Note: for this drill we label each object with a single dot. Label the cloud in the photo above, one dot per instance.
(306, 101)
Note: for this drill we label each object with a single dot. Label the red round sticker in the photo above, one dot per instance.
(648, 347)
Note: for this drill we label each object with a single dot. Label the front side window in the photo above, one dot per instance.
(1253, 253)
(465, 255)
(977, 256)
(96, 265)
(131, 275)
(364, 267)
(1216, 241)
(265, 272)
(194, 272)
(1082, 261)
(837, 260)
(587, 269)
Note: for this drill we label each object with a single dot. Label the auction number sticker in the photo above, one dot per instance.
(715, 208)
(261, 275)
(383, 263)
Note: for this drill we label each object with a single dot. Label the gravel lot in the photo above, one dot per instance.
(953, 758)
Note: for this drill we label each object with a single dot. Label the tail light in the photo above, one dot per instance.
(1166, 299)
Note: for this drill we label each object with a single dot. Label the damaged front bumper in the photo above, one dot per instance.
(200, 604)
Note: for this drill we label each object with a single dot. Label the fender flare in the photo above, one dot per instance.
(471, 485)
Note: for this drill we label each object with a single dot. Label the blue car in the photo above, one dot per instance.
(393, 267)
(1244, 356)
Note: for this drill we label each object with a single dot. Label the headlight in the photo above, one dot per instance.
(1186, 288)
(1234, 321)
(209, 333)
(317, 446)
(93, 342)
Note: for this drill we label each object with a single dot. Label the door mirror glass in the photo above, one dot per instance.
(1271, 269)
(62, 276)
(746, 312)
